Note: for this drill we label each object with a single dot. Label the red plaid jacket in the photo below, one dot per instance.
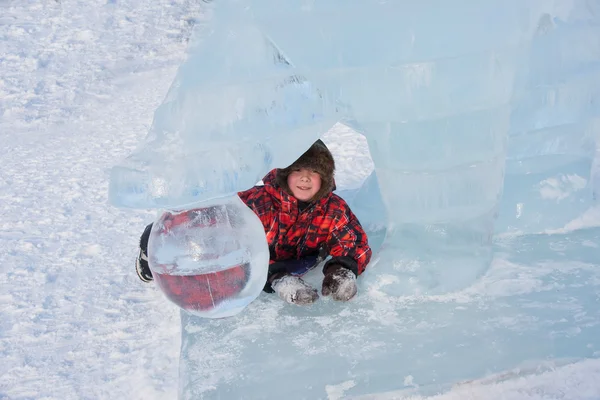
(292, 234)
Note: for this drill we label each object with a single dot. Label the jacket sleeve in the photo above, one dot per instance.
(347, 242)
(259, 201)
(249, 196)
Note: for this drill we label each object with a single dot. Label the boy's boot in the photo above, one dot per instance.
(294, 290)
(141, 263)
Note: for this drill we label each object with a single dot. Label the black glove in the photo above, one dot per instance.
(339, 282)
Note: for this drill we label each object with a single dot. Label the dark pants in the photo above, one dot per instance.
(290, 267)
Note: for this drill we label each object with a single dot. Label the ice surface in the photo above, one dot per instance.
(210, 260)
(481, 119)
(537, 306)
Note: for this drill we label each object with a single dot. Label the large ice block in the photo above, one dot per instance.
(554, 127)
(431, 91)
(236, 109)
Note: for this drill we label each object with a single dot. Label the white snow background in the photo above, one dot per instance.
(79, 81)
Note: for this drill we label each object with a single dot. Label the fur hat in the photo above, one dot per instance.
(319, 159)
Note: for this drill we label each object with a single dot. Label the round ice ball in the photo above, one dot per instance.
(211, 261)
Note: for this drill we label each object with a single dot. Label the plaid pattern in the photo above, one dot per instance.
(292, 234)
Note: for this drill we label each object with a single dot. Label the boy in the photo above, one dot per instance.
(304, 221)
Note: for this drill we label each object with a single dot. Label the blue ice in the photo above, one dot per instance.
(481, 119)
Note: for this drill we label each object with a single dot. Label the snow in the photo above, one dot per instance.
(79, 81)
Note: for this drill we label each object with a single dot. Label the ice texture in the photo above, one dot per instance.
(211, 260)
(554, 123)
(536, 308)
(481, 118)
(235, 110)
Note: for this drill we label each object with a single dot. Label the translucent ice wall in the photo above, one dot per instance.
(554, 123)
(235, 110)
(431, 90)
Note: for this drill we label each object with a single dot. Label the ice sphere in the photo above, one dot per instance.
(210, 260)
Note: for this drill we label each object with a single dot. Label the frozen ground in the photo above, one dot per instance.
(79, 81)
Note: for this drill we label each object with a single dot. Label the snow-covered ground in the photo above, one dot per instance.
(79, 81)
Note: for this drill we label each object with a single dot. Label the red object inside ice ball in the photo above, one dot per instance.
(203, 292)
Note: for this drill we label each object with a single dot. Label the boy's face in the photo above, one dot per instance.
(304, 183)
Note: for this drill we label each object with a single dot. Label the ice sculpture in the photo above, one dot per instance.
(471, 109)
(209, 260)
(431, 94)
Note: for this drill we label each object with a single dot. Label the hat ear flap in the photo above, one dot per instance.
(281, 179)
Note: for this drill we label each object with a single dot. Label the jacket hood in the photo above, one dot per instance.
(317, 158)
(272, 179)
